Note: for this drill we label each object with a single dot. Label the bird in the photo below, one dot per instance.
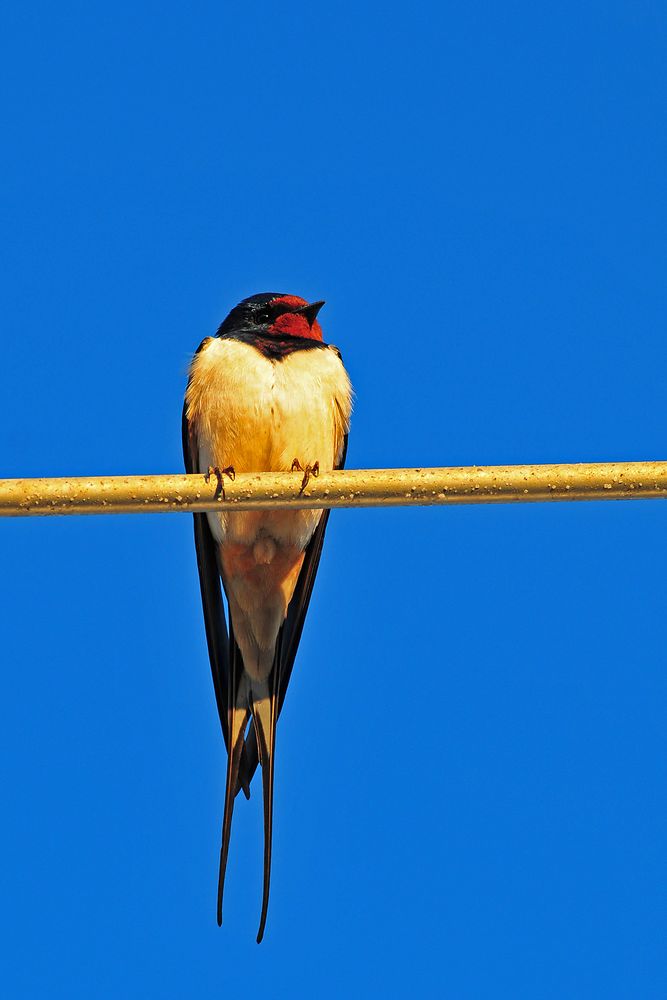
(266, 393)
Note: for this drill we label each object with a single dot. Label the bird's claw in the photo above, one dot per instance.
(214, 470)
(308, 471)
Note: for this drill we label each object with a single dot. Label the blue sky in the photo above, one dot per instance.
(470, 790)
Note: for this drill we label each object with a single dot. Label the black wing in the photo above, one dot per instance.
(211, 592)
(220, 649)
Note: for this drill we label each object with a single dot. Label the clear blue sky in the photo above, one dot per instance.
(470, 792)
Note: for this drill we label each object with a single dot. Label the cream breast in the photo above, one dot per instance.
(258, 414)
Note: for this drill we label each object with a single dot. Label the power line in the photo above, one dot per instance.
(345, 488)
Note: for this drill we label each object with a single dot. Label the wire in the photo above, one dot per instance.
(345, 488)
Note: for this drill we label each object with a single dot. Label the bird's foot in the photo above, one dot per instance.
(308, 471)
(214, 470)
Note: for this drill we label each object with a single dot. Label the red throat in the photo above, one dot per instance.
(291, 324)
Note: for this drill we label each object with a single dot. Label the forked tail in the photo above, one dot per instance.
(258, 699)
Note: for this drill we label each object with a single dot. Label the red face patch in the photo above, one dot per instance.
(291, 324)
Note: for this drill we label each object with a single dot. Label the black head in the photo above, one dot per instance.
(274, 314)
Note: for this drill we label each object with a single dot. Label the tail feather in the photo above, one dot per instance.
(245, 773)
(248, 697)
(237, 720)
(265, 714)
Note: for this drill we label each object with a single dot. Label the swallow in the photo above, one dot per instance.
(265, 394)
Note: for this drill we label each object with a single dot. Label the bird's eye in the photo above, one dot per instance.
(270, 313)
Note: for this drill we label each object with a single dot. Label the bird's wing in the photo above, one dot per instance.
(220, 650)
(211, 593)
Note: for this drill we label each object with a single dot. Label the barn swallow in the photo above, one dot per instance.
(265, 394)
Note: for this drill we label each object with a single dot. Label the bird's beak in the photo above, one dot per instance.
(310, 311)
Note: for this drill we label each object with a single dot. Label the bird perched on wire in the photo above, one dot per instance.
(265, 394)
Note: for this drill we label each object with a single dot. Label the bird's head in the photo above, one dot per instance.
(274, 314)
